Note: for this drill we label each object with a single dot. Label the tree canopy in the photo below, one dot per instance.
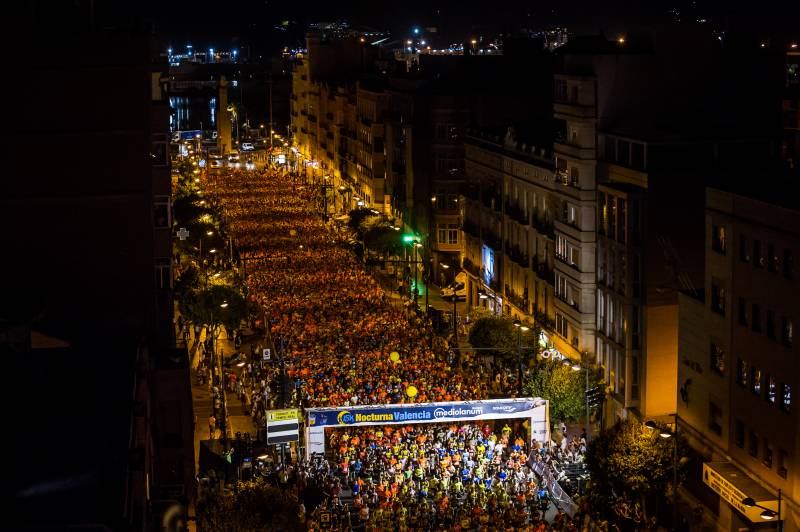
(564, 387)
(214, 305)
(499, 333)
(250, 506)
(632, 461)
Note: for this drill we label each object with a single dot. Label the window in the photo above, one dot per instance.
(770, 324)
(742, 312)
(574, 256)
(786, 331)
(743, 254)
(623, 233)
(787, 264)
(741, 372)
(635, 327)
(163, 274)
(739, 434)
(603, 208)
(561, 325)
(767, 453)
(718, 238)
(715, 418)
(162, 212)
(717, 361)
(772, 389)
(635, 378)
(755, 380)
(574, 176)
(612, 219)
(717, 298)
(448, 233)
(572, 217)
(783, 462)
(756, 318)
(452, 202)
(786, 397)
(758, 258)
(753, 443)
(601, 311)
(561, 247)
(772, 259)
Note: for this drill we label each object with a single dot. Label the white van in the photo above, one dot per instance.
(457, 289)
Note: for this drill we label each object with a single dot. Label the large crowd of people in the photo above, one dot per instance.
(333, 325)
(340, 342)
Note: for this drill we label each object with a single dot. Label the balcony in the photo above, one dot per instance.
(571, 302)
(517, 256)
(565, 260)
(560, 177)
(571, 150)
(541, 319)
(521, 302)
(544, 227)
(515, 212)
(564, 109)
(546, 274)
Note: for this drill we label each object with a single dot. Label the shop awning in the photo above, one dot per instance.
(734, 485)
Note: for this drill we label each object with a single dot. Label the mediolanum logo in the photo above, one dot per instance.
(456, 412)
(345, 418)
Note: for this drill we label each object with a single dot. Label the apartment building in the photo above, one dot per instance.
(739, 368)
(337, 120)
(91, 239)
(508, 221)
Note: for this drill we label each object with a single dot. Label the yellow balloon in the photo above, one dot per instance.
(394, 356)
(412, 391)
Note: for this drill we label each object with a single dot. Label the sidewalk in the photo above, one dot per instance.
(201, 393)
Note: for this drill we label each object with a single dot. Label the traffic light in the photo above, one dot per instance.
(594, 396)
(408, 238)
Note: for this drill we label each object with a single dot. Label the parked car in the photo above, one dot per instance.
(248, 146)
(215, 163)
(457, 289)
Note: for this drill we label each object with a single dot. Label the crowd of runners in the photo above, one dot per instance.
(341, 342)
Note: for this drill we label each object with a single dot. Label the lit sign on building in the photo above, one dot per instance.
(488, 264)
(727, 490)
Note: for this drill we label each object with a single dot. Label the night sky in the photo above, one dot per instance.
(211, 23)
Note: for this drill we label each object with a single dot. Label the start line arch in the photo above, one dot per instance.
(535, 409)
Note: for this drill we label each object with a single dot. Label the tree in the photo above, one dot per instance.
(633, 462)
(251, 506)
(214, 306)
(357, 216)
(383, 239)
(500, 334)
(564, 387)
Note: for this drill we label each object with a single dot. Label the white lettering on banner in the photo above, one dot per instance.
(457, 411)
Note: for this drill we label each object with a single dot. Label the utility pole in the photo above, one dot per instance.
(586, 394)
(270, 113)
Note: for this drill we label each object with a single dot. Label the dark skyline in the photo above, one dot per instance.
(266, 25)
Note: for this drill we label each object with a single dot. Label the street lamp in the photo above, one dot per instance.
(520, 327)
(766, 514)
(664, 433)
